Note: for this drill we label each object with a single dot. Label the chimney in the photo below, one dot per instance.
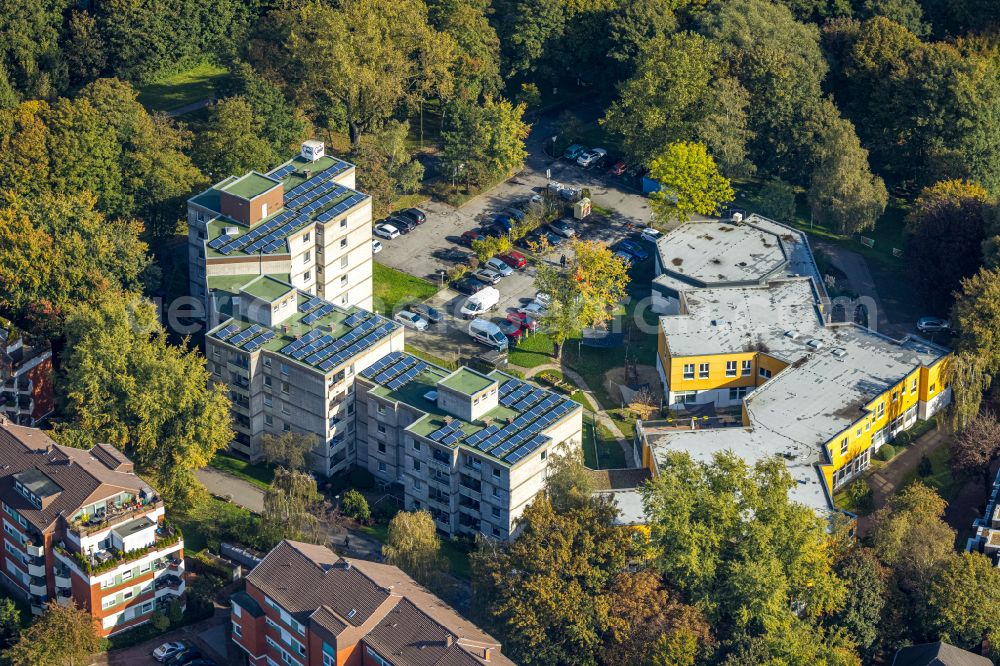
(448, 640)
(487, 653)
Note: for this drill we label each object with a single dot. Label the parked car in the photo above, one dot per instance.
(411, 320)
(386, 231)
(523, 320)
(488, 275)
(562, 228)
(529, 240)
(650, 234)
(554, 239)
(570, 193)
(932, 324)
(468, 285)
(404, 225)
(543, 298)
(168, 650)
(618, 168)
(472, 235)
(376, 246)
(500, 266)
(626, 257)
(418, 216)
(532, 309)
(512, 329)
(183, 657)
(495, 231)
(574, 151)
(425, 311)
(514, 259)
(515, 213)
(592, 158)
(633, 248)
(482, 301)
(488, 333)
(504, 221)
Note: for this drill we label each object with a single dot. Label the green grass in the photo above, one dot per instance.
(941, 477)
(206, 521)
(183, 88)
(394, 288)
(258, 474)
(600, 448)
(532, 351)
(430, 358)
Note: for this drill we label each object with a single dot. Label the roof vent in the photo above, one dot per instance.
(231, 231)
(718, 322)
(794, 335)
(814, 344)
(839, 353)
(354, 611)
(737, 218)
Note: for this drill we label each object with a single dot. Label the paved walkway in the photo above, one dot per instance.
(188, 108)
(855, 267)
(242, 492)
(209, 636)
(594, 404)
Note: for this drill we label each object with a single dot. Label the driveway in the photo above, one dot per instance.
(209, 636)
(222, 484)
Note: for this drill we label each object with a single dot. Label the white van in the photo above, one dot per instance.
(488, 333)
(480, 302)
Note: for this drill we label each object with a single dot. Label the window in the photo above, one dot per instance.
(857, 433)
(306, 237)
(306, 276)
(931, 390)
(747, 368)
(381, 447)
(730, 368)
(416, 465)
(416, 446)
(496, 512)
(738, 393)
(703, 371)
(913, 386)
(765, 373)
(284, 387)
(284, 369)
(237, 611)
(496, 472)
(237, 630)
(267, 381)
(689, 371)
(843, 447)
(544, 454)
(685, 397)
(343, 280)
(343, 223)
(880, 410)
(268, 419)
(381, 428)
(286, 427)
(126, 575)
(417, 485)
(285, 409)
(496, 492)
(268, 400)
(381, 466)
(267, 361)
(263, 211)
(895, 397)
(380, 408)
(343, 242)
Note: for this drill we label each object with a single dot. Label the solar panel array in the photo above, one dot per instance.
(281, 172)
(379, 365)
(254, 344)
(295, 345)
(539, 409)
(325, 352)
(311, 304)
(357, 318)
(403, 371)
(246, 335)
(448, 434)
(341, 207)
(316, 198)
(324, 175)
(318, 313)
(227, 331)
(267, 237)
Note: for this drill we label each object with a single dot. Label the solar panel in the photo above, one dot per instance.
(246, 335)
(323, 310)
(378, 365)
(259, 341)
(219, 242)
(227, 331)
(356, 318)
(445, 430)
(510, 385)
(281, 172)
(525, 449)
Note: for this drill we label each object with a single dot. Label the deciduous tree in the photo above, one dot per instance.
(976, 446)
(10, 622)
(477, 52)
(569, 484)
(867, 595)
(289, 449)
(963, 601)
(61, 636)
(291, 507)
(977, 314)
(689, 182)
(413, 545)
(485, 142)
(126, 385)
(231, 143)
(583, 293)
(969, 375)
(354, 505)
(491, 246)
(386, 169)
(777, 200)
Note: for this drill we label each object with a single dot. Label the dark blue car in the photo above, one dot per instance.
(634, 249)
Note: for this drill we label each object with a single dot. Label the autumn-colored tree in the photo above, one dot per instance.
(289, 449)
(976, 446)
(583, 293)
(61, 636)
(292, 505)
(689, 182)
(963, 602)
(969, 376)
(568, 483)
(491, 246)
(413, 545)
(977, 314)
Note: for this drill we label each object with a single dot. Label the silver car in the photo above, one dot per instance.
(500, 266)
(488, 275)
(411, 320)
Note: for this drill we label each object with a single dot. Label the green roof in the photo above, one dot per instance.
(249, 186)
(467, 381)
(300, 163)
(267, 288)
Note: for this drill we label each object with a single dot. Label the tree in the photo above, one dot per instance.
(633, 23)
(367, 57)
(977, 314)
(548, 592)
(485, 141)
(584, 293)
(963, 601)
(843, 193)
(290, 507)
(529, 27)
(909, 536)
(947, 220)
(86, 55)
(386, 167)
(689, 182)
(289, 449)
(477, 53)
(976, 446)
(124, 384)
(57, 251)
(231, 143)
(10, 622)
(279, 122)
(354, 505)
(867, 595)
(569, 484)
(969, 376)
(30, 53)
(61, 636)
(412, 545)
(491, 246)
(907, 13)
(726, 535)
(777, 200)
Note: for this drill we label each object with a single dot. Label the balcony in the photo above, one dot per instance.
(469, 492)
(114, 515)
(34, 550)
(169, 585)
(36, 570)
(107, 560)
(39, 589)
(63, 580)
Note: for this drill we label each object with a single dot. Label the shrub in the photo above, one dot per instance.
(159, 621)
(175, 612)
(925, 468)
(355, 506)
(456, 271)
(361, 478)
(860, 492)
(887, 452)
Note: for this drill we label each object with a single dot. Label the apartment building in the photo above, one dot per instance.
(824, 396)
(289, 360)
(27, 391)
(304, 605)
(80, 527)
(470, 448)
(301, 222)
(986, 529)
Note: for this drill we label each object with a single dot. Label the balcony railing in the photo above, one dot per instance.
(107, 560)
(115, 516)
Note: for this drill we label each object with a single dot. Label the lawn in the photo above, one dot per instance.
(183, 88)
(532, 351)
(258, 474)
(430, 358)
(940, 479)
(394, 288)
(600, 449)
(212, 520)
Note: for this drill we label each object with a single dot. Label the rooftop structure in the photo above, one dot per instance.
(302, 221)
(937, 654)
(80, 527)
(344, 611)
(470, 447)
(289, 359)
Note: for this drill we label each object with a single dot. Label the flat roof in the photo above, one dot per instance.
(467, 381)
(506, 434)
(250, 185)
(266, 288)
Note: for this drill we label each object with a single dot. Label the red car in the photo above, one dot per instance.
(524, 320)
(514, 259)
(512, 330)
(469, 236)
(618, 168)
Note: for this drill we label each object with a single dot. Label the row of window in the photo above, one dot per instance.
(704, 370)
